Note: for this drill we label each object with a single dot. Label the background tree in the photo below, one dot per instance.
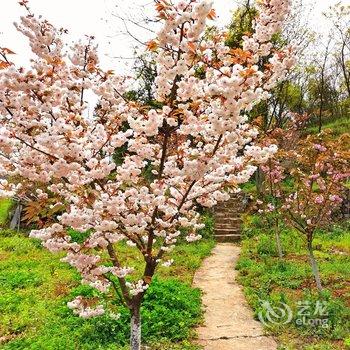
(276, 171)
(287, 97)
(318, 168)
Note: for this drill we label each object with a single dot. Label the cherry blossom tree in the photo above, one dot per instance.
(318, 167)
(171, 159)
(277, 169)
(274, 174)
(320, 171)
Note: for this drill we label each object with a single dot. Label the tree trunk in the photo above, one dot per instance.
(278, 240)
(135, 332)
(16, 218)
(259, 181)
(314, 266)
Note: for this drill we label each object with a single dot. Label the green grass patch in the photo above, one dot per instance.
(338, 126)
(36, 286)
(5, 206)
(267, 278)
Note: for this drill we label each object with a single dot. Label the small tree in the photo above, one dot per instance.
(168, 159)
(319, 171)
(274, 174)
(276, 171)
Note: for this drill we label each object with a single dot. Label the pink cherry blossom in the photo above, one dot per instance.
(319, 199)
(195, 147)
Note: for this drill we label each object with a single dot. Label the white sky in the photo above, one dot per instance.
(93, 17)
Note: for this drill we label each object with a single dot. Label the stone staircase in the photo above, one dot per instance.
(228, 219)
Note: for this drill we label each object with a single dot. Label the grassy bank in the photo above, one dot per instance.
(266, 278)
(338, 126)
(5, 205)
(35, 287)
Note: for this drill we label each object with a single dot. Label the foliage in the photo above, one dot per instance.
(146, 72)
(170, 309)
(318, 166)
(5, 205)
(41, 211)
(338, 126)
(241, 24)
(208, 220)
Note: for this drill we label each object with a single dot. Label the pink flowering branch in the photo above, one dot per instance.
(320, 171)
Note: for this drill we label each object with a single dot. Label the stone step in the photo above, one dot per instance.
(233, 200)
(228, 211)
(229, 205)
(228, 220)
(227, 216)
(228, 238)
(227, 226)
(234, 211)
(226, 231)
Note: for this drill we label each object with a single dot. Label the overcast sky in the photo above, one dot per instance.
(95, 18)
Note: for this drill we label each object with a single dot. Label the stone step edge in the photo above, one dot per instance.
(228, 238)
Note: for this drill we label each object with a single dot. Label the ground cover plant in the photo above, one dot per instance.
(5, 205)
(35, 288)
(267, 278)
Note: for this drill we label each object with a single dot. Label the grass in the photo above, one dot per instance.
(5, 205)
(267, 278)
(338, 126)
(35, 287)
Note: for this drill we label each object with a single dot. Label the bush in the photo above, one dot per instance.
(169, 310)
(336, 314)
(266, 245)
(208, 220)
(5, 206)
(252, 225)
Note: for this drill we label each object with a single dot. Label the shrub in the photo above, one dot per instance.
(171, 308)
(209, 222)
(266, 245)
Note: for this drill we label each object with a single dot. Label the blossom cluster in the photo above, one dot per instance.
(170, 159)
(319, 167)
(324, 170)
(78, 306)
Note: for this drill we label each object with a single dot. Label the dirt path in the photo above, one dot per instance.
(229, 323)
